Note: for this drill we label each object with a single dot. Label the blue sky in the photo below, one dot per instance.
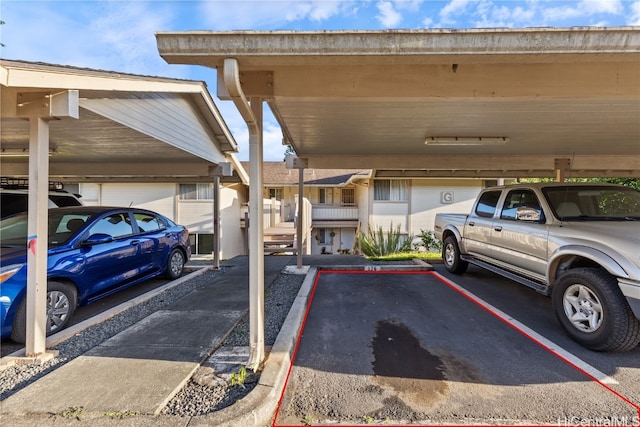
(119, 35)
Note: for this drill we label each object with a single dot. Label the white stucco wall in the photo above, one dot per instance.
(429, 197)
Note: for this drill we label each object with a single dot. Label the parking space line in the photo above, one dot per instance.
(544, 342)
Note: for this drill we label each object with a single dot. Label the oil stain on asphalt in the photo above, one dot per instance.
(415, 375)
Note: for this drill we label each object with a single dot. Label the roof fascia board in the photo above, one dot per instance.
(260, 48)
(32, 76)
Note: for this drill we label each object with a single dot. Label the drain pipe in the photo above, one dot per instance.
(251, 112)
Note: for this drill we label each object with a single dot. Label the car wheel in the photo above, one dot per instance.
(592, 310)
(451, 256)
(61, 303)
(175, 264)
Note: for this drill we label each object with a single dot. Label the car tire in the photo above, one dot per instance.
(451, 256)
(61, 304)
(175, 264)
(592, 310)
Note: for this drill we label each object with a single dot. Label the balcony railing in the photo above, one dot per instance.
(334, 213)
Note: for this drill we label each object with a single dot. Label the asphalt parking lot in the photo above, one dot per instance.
(434, 348)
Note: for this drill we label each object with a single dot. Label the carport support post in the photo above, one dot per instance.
(300, 216)
(222, 169)
(216, 222)
(251, 112)
(295, 162)
(256, 243)
(37, 240)
(39, 108)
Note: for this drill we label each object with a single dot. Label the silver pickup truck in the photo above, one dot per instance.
(578, 243)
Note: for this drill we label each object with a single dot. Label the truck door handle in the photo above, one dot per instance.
(471, 223)
(497, 228)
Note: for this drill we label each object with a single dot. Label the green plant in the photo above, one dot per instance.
(239, 377)
(377, 242)
(73, 412)
(307, 420)
(429, 241)
(367, 419)
(120, 414)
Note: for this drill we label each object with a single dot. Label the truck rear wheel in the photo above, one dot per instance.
(592, 310)
(451, 256)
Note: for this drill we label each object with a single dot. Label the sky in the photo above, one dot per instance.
(119, 35)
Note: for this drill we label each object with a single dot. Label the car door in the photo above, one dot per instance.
(478, 228)
(114, 263)
(152, 235)
(519, 234)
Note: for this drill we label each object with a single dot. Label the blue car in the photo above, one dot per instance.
(93, 252)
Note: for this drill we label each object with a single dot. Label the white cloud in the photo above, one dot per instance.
(454, 8)
(634, 17)
(602, 6)
(388, 16)
(125, 33)
(583, 8)
(116, 36)
(268, 14)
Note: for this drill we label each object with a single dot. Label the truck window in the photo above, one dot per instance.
(487, 203)
(519, 199)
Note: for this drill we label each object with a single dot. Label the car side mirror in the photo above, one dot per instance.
(527, 214)
(97, 239)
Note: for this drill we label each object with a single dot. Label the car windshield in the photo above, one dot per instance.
(596, 203)
(62, 227)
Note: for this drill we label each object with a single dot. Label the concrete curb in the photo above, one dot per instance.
(259, 406)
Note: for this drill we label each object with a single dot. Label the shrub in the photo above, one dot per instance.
(377, 242)
(429, 241)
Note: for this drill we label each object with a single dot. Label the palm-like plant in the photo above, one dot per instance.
(377, 242)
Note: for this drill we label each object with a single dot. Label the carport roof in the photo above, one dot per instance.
(130, 127)
(370, 99)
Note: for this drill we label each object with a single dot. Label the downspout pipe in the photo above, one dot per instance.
(252, 115)
(231, 76)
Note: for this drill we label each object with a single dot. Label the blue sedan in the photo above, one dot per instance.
(93, 252)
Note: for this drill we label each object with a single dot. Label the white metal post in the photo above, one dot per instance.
(37, 241)
(300, 216)
(256, 243)
(216, 222)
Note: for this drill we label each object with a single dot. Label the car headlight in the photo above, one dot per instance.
(9, 270)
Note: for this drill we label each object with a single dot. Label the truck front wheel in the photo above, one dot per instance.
(451, 256)
(592, 310)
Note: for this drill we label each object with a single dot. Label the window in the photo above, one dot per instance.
(147, 222)
(201, 243)
(276, 193)
(391, 190)
(348, 196)
(115, 225)
(325, 196)
(325, 236)
(196, 191)
(487, 204)
(519, 199)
